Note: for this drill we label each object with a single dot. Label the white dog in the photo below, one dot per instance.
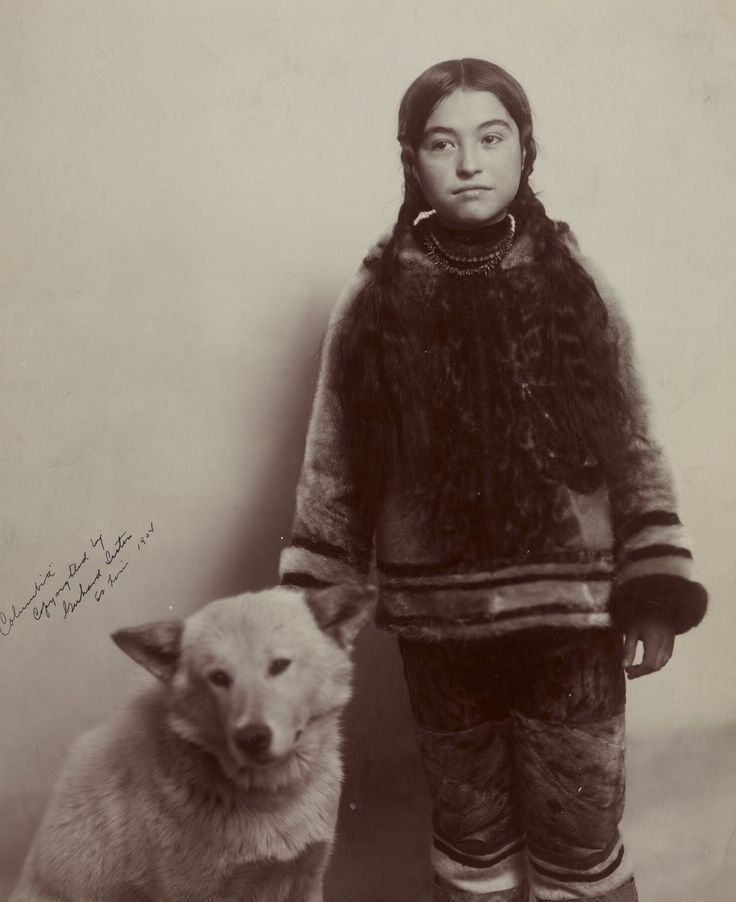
(222, 782)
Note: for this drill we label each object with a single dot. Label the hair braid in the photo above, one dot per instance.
(414, 203)
(580, 360)
(376, 329)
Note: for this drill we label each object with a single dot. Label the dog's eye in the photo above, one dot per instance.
(220, 678)
(278, 666)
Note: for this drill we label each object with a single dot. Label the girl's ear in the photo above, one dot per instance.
(155, 646)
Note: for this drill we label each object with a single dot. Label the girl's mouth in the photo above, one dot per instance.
(476, 189)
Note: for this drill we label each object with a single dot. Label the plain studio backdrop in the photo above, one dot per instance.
(186, 186)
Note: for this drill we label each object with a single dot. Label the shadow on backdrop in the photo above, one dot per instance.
(384, 830)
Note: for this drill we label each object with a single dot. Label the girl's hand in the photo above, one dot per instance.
(654, 629)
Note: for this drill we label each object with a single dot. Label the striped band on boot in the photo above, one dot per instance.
(448, 894)
(471, 879)
(625, 893)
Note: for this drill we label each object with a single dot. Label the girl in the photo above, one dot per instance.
(479, 425)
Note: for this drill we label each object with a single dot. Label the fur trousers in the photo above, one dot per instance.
(522, 740)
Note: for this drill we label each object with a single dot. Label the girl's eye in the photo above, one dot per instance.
(220, 678)
(440, 145)
(491, 139)
(278, 666)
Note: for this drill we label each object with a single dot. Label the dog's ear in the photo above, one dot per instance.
(155, 646)
(342, 611)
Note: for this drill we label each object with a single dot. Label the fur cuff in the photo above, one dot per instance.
(684, 600)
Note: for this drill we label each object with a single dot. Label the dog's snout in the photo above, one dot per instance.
(254, 738)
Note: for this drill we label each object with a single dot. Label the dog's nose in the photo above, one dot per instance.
(254, 738)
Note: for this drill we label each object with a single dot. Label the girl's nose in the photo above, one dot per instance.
(467, 162)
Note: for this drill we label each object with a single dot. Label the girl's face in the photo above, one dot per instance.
(469, 159)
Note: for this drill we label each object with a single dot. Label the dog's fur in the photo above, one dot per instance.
(172, 801)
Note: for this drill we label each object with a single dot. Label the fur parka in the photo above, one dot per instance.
(499, 526)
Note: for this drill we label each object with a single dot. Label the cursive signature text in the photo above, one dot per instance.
(90, 574)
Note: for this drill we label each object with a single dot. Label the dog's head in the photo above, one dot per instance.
(257, 680)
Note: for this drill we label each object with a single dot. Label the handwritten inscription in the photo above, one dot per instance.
(90, 575)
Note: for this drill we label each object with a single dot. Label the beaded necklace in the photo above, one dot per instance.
(461, 254)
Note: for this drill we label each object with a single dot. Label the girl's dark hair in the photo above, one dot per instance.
(579, 358)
